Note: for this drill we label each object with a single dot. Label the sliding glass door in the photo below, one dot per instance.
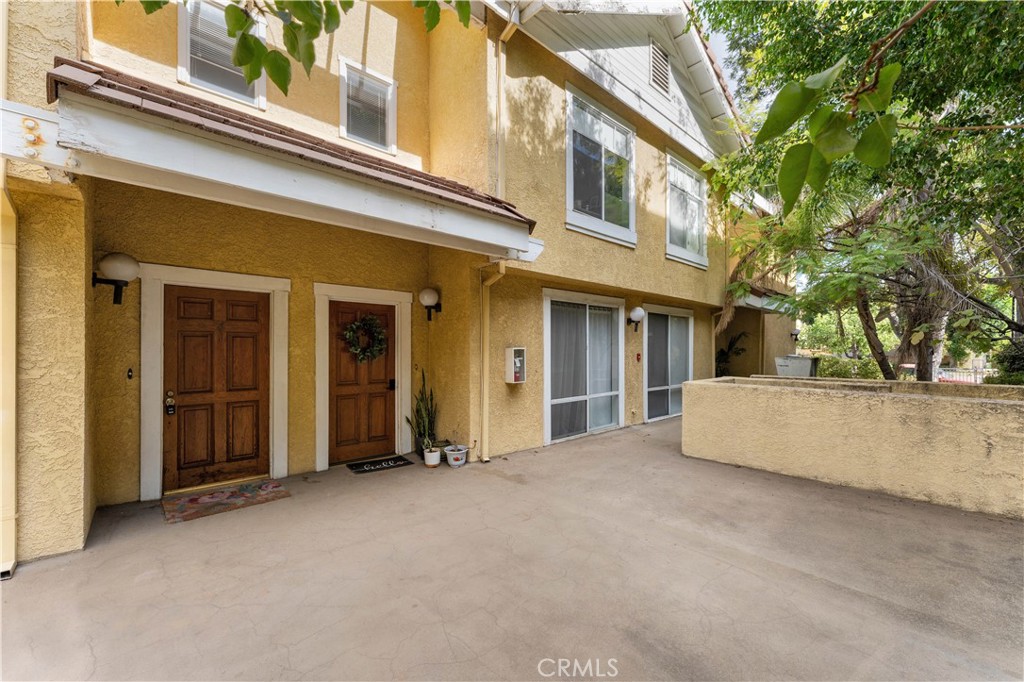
(584, 370)
(668, 363)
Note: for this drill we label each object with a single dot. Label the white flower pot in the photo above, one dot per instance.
(432, 457)
(456, 455)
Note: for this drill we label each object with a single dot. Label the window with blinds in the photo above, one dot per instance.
(661, 70)
(209, 53)
(368, 109)
(687, 215)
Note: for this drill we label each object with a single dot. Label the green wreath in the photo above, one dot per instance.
(371, 327)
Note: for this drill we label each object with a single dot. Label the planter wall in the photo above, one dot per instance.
(961, 446)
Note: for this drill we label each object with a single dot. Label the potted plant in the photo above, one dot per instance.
(431, 454)
(424, 419)
(455, 453)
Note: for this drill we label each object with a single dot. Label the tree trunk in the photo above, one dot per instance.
(867, 321)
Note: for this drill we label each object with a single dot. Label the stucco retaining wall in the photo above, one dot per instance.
(961, 446)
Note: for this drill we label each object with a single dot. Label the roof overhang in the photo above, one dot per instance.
(104, 132)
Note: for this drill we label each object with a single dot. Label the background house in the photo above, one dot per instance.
(540, 171)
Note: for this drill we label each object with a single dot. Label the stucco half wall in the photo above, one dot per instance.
(961, 446)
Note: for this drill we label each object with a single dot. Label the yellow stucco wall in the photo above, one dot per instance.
(386, 37)
(965, 451)
(517, 319)
(536, 168)
(53, 449)
(157, 227)
(777, 340)
(749, 321)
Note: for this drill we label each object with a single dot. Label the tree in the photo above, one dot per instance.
(301, 23)
(899, 177)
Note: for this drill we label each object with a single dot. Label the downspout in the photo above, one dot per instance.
(485, 360)
(501, 128)
(8, 348)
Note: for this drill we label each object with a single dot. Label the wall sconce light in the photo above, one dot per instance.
(636, 316)
(431, 301)
(795, 335)
(118, 269)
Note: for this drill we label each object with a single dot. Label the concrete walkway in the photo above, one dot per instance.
(609, 547)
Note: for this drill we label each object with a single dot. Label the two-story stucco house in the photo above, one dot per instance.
(525, 183)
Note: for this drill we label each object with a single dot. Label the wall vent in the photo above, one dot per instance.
(660, 68)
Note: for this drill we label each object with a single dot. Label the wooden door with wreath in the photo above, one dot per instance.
(362, 381)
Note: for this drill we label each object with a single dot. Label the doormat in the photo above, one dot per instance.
(210, 502)
(379, 464)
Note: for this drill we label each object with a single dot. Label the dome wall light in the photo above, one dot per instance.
(118, 270)
(636, 316)
(431, 300)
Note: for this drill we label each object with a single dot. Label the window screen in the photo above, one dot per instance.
(601, 152)
(686, 219)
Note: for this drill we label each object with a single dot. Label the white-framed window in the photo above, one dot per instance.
(204, 53)
(600, 197)
(368, 107)
(584, 364)
(686, 226)
(668, 353)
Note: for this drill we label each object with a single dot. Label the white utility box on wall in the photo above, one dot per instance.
(515, 365)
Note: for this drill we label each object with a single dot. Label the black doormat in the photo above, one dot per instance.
(379, 464)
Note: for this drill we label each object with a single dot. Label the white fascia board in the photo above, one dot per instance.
(753, 202)
(761, 303)
(109, 142)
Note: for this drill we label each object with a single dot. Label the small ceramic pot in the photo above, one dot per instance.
(432, 457)
(456, 455)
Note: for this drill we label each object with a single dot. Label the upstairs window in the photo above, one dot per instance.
(368, 108)
(599, 192)
(687, 215)
(204, 53)
(661, 69)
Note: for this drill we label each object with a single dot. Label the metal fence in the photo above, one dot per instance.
(956, 375)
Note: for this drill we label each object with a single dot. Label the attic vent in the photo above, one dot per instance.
(660, 68)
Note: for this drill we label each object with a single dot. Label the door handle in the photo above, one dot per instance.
(391, 384)
(169, 406)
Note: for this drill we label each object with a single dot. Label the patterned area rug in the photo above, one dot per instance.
(209, 502)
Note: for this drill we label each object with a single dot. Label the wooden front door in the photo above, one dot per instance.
(217, 372)
(362, 394)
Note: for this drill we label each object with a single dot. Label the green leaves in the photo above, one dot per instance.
(881, 96)
(279, 69)
(793, 173)
(464, 10)
(835, 141)
(825, 79)
(332, 17)
(151, 6)
(802, 163)
(431, 12)
(789, 106)
(875, 145)
(237, 20)
(309, 12)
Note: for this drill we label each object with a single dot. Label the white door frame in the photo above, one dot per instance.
(675, 312)
(402, 302)
(588, 299)
(153, 278)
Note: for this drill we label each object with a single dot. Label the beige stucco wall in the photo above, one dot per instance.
(386, 37)
(54, 499)
(777, 340)
(965, 451)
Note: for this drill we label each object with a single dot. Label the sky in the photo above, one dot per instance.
(721, 49)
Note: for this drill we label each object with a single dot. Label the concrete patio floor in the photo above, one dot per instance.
(608, 547)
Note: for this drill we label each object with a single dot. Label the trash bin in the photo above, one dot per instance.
(796, 366)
